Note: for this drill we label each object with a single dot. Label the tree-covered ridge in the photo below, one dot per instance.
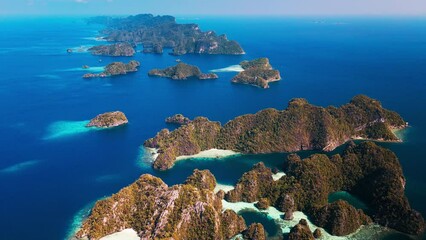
(158, 32)
(302, 126)
(366, 170)
(258, 73)
(156, 211)
(182, 71)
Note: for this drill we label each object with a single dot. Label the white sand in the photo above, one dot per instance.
(212, 153)
(277, 216)
(277, 176)
(225, 188)
(153, 152)
(126, 234)
(232, 68)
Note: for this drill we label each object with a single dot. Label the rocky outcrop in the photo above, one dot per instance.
(252, 185)
(114, 50)
(340, 218)
(108, 120)
(302, 126)
(157, 211)
(366, 170)
(258, 73)
(182, 71)
(262, 204)
(115, 68)
(301, 231)
(158, 32)
(255, 232)
(178, 119)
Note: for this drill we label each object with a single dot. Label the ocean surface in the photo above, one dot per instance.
(52, 168)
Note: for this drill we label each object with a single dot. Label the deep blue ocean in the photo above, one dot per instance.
(52, 168)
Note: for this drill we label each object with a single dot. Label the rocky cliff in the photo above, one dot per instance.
(157, 211)
(258, 73)
(115, 68)
(114, 50)
(368, 171)
(302, 126)
(182, 71)
(108, 120)
(158, 32)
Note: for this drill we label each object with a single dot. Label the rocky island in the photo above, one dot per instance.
(366, 170)
(178, 119)
(115, 68)
(156, 211)
(302, 126)
(108, 120)
(158, 32)
(258, 73)
(182, 71)
(114, 50)
(194, 211)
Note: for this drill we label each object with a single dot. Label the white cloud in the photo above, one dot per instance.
(81, 1)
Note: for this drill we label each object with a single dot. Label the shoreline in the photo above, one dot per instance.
(211, 153)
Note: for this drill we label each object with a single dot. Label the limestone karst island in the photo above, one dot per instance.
(213, 120)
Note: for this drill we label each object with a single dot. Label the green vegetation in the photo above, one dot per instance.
(257, 72)
(158, 32)
(302, 126)
(156, 211)
(182, 71)
(367, 171)
(109, 119)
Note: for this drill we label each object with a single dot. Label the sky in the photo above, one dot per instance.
(213, 7)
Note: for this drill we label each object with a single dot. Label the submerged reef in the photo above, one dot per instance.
(302, 126)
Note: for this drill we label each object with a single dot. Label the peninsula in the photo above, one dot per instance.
(158, 32)
(258, 73)
(182, 71)
(114, 50)
(302, 126)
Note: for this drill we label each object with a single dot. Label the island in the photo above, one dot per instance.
(182, 71)
(115, 68)
(258, 73)
(195, 210)
(302, 126)
(158, 32)
(178, 119)
(108, 120)
(366, 170)
(156, 211)
(114, 50)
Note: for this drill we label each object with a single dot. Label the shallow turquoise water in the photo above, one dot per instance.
(42, 95)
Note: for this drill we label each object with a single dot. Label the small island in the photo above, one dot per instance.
(115, 68)
(108, 120)
(158, 32)
(178, 119)
(258, 73)
(182, 71)
(114, 50)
